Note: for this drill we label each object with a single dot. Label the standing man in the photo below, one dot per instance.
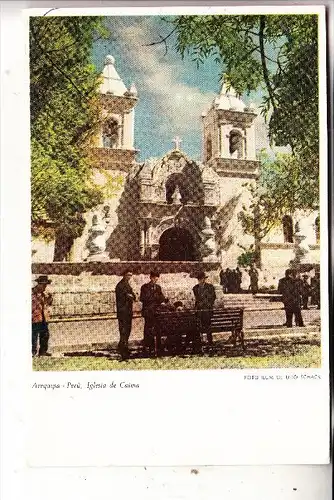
(306, 291)
(151, 297)
(222, 276)
(239, 279)
(40, 330)
(228, 280)
(254, 279)
(125, 297)
(289, 288)
(205, 297)
(315, 290)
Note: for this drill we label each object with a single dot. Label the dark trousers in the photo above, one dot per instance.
(305, 301)
(40, 332)
(124, 326)
(298, 316)
(204, 324)
(149, 327)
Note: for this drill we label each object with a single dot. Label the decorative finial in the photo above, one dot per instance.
(177, 141)
(109, 60)
(133, 90)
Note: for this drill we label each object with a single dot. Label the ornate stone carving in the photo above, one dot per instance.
(176, 197)
(301, 247)
(208, 245)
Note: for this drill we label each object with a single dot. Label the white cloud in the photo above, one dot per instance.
(179, 105)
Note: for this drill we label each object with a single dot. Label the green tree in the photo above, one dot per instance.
(275, 53)
(274, 195)
(65, 113)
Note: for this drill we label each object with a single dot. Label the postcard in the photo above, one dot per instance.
(174, 235)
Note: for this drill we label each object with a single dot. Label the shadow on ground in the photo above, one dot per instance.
(254, 348)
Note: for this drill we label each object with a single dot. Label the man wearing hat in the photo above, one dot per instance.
(151, 297)
(40, 302)
(125, 297)
(205, 297)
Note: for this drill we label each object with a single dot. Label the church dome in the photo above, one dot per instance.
(111, 81)
(229, 99)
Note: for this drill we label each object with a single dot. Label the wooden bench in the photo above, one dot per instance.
(177, 324)
(186, 323)
(229, 320)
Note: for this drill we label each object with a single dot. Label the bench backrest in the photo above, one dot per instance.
(176, 322)
(227, 319)
(182, 322)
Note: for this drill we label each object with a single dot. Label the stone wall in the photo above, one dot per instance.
(88, 289)
(41, 250)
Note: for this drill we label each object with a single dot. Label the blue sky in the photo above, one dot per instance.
(172, 92)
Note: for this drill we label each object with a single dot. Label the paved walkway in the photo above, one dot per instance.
(87, 333)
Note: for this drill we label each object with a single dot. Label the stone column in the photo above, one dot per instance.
(222, 143)
(225, 138)
(128, 130)
(142, 245)
(250, 143)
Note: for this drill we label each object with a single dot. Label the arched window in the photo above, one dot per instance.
(236, 144)
(208, 148)
(110, 133)
(287, 229)
(317, 229)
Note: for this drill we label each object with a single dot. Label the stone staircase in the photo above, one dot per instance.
(249, 301)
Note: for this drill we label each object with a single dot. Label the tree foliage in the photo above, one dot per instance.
(275, 53)
(65, 112)
(276, 194)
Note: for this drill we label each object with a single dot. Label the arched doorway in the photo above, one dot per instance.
(176, 244)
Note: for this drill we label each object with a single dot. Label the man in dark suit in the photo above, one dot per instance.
(306, 291)
(289, 288)
(239, 279)
(205, 297)
(151, 297)
(125, 297)
(254, 279)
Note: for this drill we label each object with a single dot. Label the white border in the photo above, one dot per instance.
(236, 404)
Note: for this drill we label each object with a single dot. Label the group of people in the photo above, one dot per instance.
(231, 280)
(153, 300)
(296, 292)
(151, 297)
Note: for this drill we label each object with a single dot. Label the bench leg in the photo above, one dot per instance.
(157, 345)
(242, 339)
(234, 338)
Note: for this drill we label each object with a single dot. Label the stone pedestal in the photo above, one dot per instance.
(301, 248)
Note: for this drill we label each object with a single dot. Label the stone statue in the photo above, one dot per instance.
(208, 246)
(176, 197)
(96, 242)
(301, 248)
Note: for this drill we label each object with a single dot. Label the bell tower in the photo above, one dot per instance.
(229, 148)
(114, 144)
(229, 136)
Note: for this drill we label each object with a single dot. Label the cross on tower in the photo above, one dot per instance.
(177, 141)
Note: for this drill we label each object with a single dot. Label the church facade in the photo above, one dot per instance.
(174, 208)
